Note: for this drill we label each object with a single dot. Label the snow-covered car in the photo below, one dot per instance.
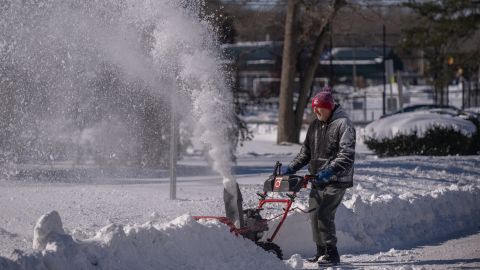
(435, 108)
(421, 107)
(473, 111)
(455, 112)
(419, 122)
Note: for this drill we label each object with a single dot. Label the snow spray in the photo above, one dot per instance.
(63, 51)
(212, 111)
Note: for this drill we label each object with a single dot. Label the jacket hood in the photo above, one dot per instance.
(337, 113)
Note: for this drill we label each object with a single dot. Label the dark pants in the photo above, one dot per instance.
(325, 201)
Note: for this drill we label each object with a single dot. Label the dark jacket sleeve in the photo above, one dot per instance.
(342, 163)
(303, 158)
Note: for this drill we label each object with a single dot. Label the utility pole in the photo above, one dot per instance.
(384, 70)
(400, 89)
(173, 151)
(354, 65)
(331, 54)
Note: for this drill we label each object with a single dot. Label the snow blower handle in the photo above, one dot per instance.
(278, 168)
(309, 178)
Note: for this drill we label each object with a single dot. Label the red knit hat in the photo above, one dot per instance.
(323, 99)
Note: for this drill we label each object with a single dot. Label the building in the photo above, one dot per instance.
(256, 66)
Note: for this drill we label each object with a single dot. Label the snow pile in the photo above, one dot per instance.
(379, 223)
(48, 226)
(419, 122)
(181, 244)
(296, 261)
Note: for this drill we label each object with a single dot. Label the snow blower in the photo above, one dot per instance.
(254, 225)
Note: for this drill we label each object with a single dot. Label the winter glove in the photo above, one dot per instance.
(287, 170)
(323, 177)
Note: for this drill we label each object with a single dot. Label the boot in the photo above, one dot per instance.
(320, 253)
(331, 256)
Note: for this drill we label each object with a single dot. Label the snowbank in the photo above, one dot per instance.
(420, 122)
(395, 203)
(380, 223)
(181, 244)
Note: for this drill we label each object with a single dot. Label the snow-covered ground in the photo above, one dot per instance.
(402, 213)
(61, 216)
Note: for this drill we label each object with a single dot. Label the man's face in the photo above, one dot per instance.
(322, 113)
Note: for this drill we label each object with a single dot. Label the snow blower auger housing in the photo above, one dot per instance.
(254, 225)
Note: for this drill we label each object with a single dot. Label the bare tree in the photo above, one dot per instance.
(309, 36)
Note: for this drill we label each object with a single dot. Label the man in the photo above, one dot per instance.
(329, 149)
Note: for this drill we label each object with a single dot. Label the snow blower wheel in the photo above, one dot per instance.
(271, 248)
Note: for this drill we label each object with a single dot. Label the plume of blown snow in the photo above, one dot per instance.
(212, 109)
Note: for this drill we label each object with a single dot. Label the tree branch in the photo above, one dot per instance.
(313, 62)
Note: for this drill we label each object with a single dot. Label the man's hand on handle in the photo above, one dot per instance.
(323, 177)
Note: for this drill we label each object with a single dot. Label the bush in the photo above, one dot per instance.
(437, 141)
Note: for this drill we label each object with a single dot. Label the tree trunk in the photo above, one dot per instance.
(306, 83)
(286, 124)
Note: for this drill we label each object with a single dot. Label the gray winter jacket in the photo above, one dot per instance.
(331, 145)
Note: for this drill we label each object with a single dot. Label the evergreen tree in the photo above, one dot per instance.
(442, 28)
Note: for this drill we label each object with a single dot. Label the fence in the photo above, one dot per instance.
(470, 94)
(366, 105)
